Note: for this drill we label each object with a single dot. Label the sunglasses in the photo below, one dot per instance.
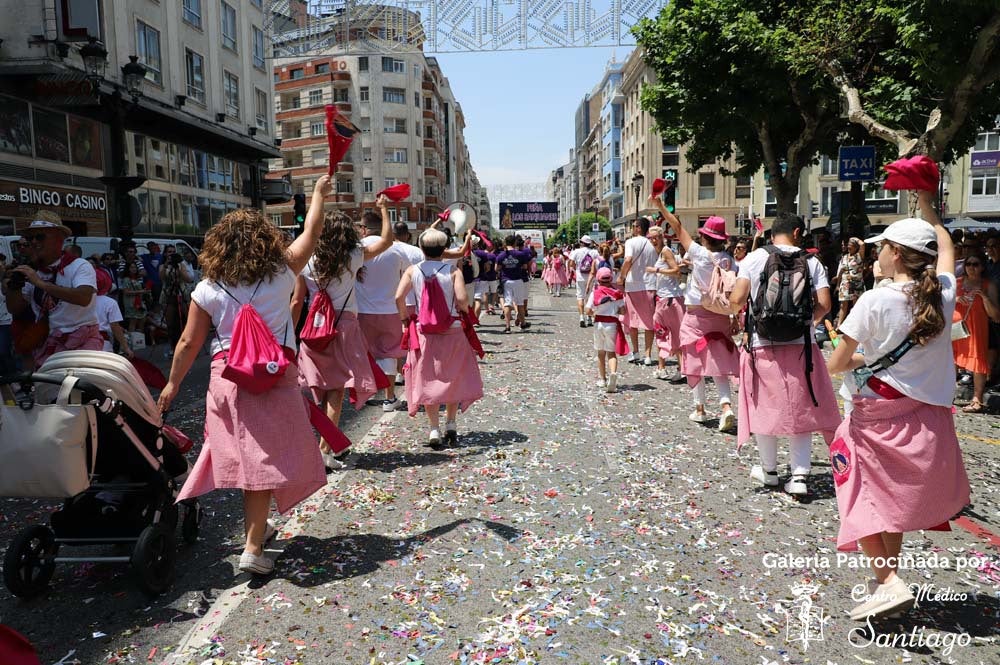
(973, 264)
(33, 237)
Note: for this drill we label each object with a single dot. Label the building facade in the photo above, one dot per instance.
(412, 131)
(198, 129)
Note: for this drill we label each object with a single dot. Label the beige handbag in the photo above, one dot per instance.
(43, 449)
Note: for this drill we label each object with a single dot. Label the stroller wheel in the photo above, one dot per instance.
(30, 561)
(191, 524)
(153, 559)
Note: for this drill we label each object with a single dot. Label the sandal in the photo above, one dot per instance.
(974, 407)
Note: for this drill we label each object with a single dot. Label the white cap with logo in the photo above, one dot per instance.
(586, 240)
(910, 232)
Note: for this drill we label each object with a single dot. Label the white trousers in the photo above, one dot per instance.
(721, 384)
(799, 449)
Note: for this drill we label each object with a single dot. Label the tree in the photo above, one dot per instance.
(725, 83)
(922, 75)
(565, 233)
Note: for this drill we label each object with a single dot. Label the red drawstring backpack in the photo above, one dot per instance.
(434, 316)
(321, 324)
(255, 361)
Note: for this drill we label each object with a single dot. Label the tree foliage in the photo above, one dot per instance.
(725, 82)
(565, 233)
(923, 75)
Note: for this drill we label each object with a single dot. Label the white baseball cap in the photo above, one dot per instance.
(587, 240)
(910, 232)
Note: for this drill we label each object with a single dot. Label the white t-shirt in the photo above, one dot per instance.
(66, 317)
(577, 257)
(377, 294)
(271, 302)
(643, 256)
(414, 255)
(340, 288)
(108, 312)
(880, 321)
(666, 286)
(5, 317)
(751, 268)
(609, 308)
(702, 264)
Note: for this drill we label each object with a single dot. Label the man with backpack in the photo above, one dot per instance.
(583, 262)
(785, 388)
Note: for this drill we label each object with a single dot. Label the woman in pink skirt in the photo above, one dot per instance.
(706, 338)
(895, 459)
(260, 443)
(669, 310)
(441, 367)
(557, 272)
(342, 363)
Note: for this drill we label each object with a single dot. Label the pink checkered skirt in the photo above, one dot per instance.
(707, 345)
(443, 370)
(897, 467)
(257, 442)
(667, 321)
(383, 332)
(774, 395)
(342, 364)
(639, 309)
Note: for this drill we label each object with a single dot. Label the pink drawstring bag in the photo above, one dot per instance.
(434, 316)
(255, 361)
(320, 327)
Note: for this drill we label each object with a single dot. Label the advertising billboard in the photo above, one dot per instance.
(520, 215)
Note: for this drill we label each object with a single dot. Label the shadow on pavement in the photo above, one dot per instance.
(343, 557)
(491, 439)
(391, 461)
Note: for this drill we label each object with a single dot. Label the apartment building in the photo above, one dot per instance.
(412, 130)
(196, 126)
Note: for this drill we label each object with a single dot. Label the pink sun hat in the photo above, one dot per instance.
(715, 227)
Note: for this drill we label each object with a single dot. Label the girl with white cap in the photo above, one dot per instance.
(895, 459)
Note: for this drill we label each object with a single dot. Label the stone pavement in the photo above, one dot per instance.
(569, 526)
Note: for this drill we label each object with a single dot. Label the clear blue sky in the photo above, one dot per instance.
(520, 106)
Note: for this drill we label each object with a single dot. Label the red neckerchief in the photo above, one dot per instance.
(46, 303)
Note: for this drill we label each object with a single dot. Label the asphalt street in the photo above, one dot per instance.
(568, 526)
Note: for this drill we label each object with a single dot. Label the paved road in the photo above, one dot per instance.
(568, 526)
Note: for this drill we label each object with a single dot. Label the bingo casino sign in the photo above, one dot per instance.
(84, 211)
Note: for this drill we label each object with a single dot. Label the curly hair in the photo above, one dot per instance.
(243, 248)
(925, 293)
(333, 251)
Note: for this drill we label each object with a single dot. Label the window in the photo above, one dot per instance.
(366, 154)
(319, 157)
(257, 3)
(392, 215)
(987, 141)
(827, 166)
(258, 48)
(986, 185)
(416, 99)
(260, 108)
(427, 104)
(147, 41)
(416, 72)
(671, 158)
(706, 186)
(429, 132)
(394, 95)
(827, 194)
(231, 92)
(393, 65)
(368, 186)
(228, 27)
(340, 95)
(390, 182)
(195, 65)
(363, 94)
(315, 98)
(743, 186)
(296, 73)
(345, 186)
(395, 156)
(395, 125)
(404, 214)
(617, 153)
(323, 68)
(365, 125)
(363, 63)
(317, 128)
(192, 12)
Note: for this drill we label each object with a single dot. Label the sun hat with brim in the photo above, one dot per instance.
(587, 240)
(43, 225)
(715, 227)
(910, 232)
(604, 275)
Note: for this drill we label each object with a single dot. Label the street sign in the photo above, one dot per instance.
(598, 236)
(856, 163)
(595, 227)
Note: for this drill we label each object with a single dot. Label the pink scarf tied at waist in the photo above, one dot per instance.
(703, 343)
(411, 340)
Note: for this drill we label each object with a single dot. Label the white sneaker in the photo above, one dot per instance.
(727, 421)
(797, 485)
(698, 416)
(766, 478)
(257, 565)
(399, 379)
(661, 374)
(331, 462)
(389, 405)
(601, 384)
(648, 362)
(612, 383)
(885, 599)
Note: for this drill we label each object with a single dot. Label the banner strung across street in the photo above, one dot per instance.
(543, 215)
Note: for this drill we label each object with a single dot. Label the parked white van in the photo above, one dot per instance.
(100, 244)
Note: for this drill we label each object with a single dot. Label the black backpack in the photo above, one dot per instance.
(781, 307)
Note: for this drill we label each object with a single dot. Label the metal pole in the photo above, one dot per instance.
(636, 202)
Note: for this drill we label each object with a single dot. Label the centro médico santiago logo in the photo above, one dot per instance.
(803, 621)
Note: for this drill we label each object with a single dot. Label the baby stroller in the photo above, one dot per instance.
(84, 428)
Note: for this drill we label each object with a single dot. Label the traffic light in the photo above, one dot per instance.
(300, 211)
(670, 195)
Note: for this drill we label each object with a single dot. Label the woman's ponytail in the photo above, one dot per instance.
(928, 310)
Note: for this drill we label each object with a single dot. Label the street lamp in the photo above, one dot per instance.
(133, 75)
(95, 59)
(637, 181)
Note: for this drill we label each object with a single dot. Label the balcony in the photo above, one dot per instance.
(343, 107)
(429, 115)
(345, 167)
(344, 197)
(427, 86)
(432, 200)
(431, 143)
(430, 172)
(339, 78)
